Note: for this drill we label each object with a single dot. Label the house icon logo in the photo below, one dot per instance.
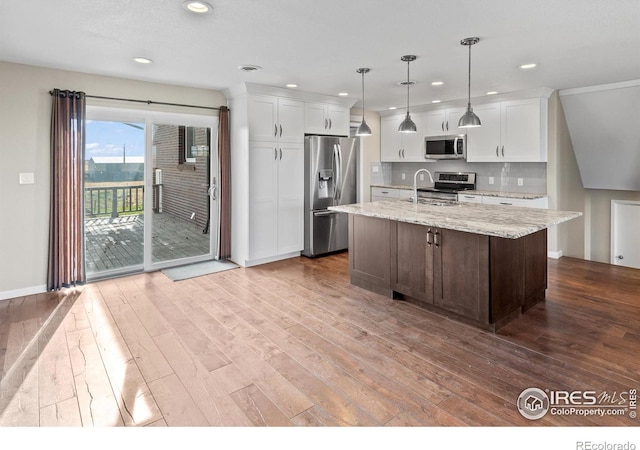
(533, 403)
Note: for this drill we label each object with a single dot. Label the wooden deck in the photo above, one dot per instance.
(293, 343)
(118, 243)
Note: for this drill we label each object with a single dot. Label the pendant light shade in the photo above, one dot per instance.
(469, 119)
(363, 129)
(407, 125)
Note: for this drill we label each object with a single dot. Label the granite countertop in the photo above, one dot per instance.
(522, 195)
(493, 220)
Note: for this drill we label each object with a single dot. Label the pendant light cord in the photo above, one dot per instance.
(469, 91)
(408, 62)
(363, 94)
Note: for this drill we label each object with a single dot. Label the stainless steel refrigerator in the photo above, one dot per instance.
(330, 171)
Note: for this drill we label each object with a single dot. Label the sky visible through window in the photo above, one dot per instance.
(114, 139)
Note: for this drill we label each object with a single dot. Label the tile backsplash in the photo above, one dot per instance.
(505, 175)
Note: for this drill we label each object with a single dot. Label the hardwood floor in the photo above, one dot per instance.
(292, 343)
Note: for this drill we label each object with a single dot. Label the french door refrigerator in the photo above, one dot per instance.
(330, 171)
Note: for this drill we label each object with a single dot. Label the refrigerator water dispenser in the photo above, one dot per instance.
(325, 183)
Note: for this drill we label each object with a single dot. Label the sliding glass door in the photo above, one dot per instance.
(149, 190)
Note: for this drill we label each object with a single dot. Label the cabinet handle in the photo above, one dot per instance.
(325, 124)
(275, 151)
(436, 239)
(280, 154)
(497, 154)
(505, 203)
(442, 125)
(280, 130)
(447, 125)
(503, 150)
(403, 153)
(330, 124)
(384, 192)
(399, 153)
(275, 130)
(429, 238)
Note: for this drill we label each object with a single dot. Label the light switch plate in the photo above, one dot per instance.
(491, 180)
(27, 178)
(520, 182)
(404, 176)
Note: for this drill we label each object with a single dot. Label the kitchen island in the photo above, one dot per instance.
(482, 264)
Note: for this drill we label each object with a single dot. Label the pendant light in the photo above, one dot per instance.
(469, 118)
(407, 125)
(363, 129)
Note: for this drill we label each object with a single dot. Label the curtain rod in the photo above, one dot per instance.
(148, 102)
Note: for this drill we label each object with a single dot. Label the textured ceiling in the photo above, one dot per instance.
(320, 44)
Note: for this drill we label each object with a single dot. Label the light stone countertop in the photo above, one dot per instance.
(493, 220)
(522, 195)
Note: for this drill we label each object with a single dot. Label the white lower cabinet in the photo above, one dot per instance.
(383, 193)
(276, 201)
(541, 202)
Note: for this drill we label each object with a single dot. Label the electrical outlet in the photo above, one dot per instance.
(404, 176)
(421, 177)
(491, 180)
(520, 182)
(26, 178)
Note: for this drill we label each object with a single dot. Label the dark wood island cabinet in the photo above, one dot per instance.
(486, 278)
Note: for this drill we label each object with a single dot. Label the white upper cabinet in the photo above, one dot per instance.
(326, 118)
(275, 119)
(402, 147)
(443, 121)
(511, 131)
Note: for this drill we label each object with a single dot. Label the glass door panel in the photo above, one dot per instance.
(114, 197)
(181, 181)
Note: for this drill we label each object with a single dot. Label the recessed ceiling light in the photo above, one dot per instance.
(197, 7)
(142, 60)
(436, 101)
(292, 85)
(492, 92)
(437, 83)
(343, 94)
(249, 68)
(393, 107)
(528, 66)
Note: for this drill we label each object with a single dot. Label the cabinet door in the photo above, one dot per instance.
(521, 131)
(413, 143)
(290, 198)
(461, 273)
(452, 119)
(412, 260)
(390, 139)
(290, 120)
(315, 118)
(263, 200)
(483, 143)
(339, 120)
(263, 118)
(434, 122)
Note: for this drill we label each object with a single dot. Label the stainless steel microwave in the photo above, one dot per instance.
(445, 147)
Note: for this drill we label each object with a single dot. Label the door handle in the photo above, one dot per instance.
(620, 257)
(325, 213)
(429, 238)
(436, 239)
(212, 192)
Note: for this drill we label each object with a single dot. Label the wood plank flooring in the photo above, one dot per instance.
(293, 343)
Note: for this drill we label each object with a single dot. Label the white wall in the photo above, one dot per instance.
(25, 112)
(370, 151)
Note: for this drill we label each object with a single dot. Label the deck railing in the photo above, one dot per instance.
(113, 200)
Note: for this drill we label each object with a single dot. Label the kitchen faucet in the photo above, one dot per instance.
(415, 183)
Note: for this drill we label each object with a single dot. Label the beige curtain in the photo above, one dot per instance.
(224, 186)
(66, 230)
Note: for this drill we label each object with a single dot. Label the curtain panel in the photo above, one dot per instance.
(224, 161)
(66, 211)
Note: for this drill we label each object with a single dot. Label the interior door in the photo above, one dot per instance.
(625, 240)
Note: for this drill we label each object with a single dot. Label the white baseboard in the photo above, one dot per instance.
(5, 295)
(257, 262)
(554, 255)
